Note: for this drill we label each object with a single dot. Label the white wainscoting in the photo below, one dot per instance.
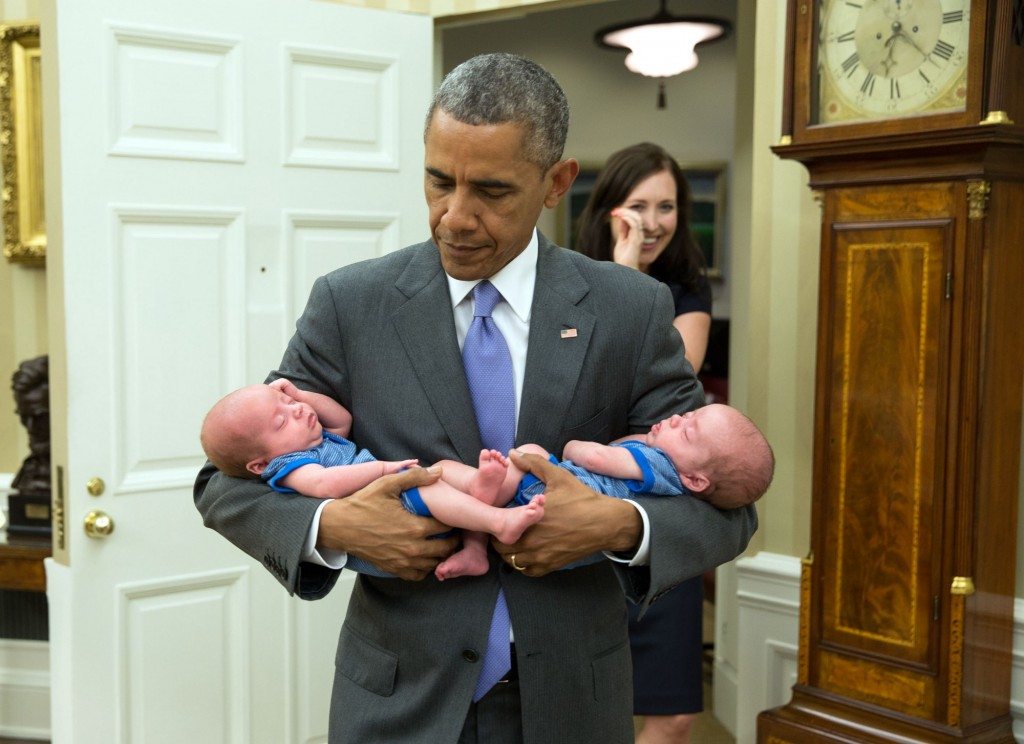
(24, 689)
(768, 594)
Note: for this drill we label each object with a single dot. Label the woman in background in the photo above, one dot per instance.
(638, 216)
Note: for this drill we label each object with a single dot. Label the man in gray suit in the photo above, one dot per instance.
(594, 356)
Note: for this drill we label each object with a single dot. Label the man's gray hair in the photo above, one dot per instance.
(500, 88)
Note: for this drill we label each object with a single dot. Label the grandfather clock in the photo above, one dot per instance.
(909, 116)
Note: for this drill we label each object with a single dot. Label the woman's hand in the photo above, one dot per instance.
(628, 233)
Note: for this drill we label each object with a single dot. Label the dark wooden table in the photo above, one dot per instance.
(21, 562)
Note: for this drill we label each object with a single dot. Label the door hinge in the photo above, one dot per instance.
(949, 284)
(58, 511)
(935, 607)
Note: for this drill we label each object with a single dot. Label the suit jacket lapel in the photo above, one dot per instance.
(555, 354)
(427, 330)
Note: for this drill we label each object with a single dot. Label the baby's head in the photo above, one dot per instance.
(721, 455)
(249, 427)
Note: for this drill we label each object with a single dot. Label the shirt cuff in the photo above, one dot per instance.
(642, 557)
(328, 558)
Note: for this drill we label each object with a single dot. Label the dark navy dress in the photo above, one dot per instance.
(667, 644)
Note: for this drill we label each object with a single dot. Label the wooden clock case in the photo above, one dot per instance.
(906, 614)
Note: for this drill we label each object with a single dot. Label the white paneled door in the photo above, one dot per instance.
(206, 161)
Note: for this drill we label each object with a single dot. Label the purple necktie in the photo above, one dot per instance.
(489, 374)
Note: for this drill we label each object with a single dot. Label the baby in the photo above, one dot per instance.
(714, 453)
(295, 441)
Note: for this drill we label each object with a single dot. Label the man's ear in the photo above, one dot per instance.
(696, 481)
(256, 467)
(562, 173)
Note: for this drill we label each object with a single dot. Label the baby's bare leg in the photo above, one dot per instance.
(457, 509)
(496, 479)
(495, 482)
(490, 474)
(471, 560)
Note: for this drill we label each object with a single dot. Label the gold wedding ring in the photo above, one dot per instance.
(512, 560)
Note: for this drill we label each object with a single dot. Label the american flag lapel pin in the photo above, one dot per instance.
(567, 333)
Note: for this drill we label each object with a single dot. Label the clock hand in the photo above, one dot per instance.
(912, 43)
(888, 63)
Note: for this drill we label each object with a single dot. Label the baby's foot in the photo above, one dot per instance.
(517, 519)
(470, 561)
(489, 476)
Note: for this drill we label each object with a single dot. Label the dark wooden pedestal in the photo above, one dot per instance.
(21, 562)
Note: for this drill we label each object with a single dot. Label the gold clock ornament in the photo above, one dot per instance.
(887, 58)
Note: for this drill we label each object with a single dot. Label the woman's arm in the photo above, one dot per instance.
(695, 329)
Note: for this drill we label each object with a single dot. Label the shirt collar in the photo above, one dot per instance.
(515, 281)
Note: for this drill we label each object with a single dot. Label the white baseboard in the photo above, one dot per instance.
(724, 693)
(768, 600)
(768, 594)
(24, 689)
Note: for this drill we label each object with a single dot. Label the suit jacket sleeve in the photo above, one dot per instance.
(272, 527)
(688, 536)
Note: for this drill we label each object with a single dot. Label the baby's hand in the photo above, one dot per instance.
(286, 387)
(399, 465)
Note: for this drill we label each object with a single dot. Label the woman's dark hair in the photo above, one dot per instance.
(681, 262)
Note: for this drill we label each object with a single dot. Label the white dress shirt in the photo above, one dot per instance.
(515, 282)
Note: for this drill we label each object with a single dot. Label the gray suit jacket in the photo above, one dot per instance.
(379, 337)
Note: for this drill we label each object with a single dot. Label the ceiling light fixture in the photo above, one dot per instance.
(663, 45)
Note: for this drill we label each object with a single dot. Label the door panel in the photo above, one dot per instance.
(205, 163)
(882, 494)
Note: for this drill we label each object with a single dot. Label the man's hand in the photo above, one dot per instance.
(373, 524)
(578, 521)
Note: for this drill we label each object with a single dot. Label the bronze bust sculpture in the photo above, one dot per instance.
(31, 386)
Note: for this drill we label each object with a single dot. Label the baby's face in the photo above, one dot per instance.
(281, 423)
(689, 438)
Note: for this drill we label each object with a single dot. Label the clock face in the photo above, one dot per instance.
(879, 59)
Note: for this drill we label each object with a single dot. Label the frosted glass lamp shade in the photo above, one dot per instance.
(662, 49)
(662, 45)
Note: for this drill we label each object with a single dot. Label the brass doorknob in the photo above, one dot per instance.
(98, 524)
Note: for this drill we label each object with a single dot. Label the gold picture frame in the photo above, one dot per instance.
(21, 144)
